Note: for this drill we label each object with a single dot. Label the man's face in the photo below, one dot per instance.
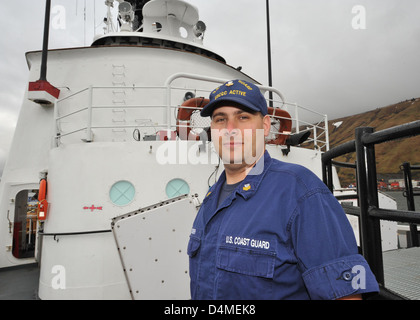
(238, 135)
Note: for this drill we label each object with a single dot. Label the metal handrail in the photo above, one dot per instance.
(410, 194)
(368, 209)
(320, 133)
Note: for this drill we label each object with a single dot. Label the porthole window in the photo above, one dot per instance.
(157, 27)
(183, 32)
(122, 193)
(176, 188)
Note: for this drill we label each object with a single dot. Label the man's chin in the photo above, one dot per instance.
(232, 158)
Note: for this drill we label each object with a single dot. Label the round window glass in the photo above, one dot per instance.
(122, 193)
(183, 32)
(176, 188)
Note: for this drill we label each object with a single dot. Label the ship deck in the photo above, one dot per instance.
(19, 283)
(401, 271)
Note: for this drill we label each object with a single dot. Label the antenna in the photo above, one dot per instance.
(45, 41)
(270, 80)
(41, 91)
(84, 24)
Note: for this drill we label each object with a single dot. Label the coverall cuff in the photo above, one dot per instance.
(340, 278)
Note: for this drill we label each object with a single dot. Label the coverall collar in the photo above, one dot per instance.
(249, 186)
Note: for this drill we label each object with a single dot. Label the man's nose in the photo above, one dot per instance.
(231, 127)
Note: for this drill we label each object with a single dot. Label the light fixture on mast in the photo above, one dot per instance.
(199, 28)
(126, 15)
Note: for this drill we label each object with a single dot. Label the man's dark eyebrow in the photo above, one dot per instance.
(215, 114)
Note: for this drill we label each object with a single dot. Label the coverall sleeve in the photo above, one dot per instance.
(326, 249)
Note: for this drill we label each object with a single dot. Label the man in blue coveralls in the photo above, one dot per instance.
(268, 229)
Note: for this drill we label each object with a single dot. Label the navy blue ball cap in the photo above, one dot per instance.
(239, 91)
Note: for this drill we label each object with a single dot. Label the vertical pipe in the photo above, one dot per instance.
(270, 80)
(410, 201)
(327, 133)
(168, 110)
(327, 174)
(56, 127)
(368, 226)
(362, 190)
(297, 118)
(325, 163)
(375, 239)
(89, 119)
(45, 43)
(330, 177)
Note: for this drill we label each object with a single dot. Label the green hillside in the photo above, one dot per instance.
(389, 155)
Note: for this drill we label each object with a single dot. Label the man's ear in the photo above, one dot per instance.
(267, 125)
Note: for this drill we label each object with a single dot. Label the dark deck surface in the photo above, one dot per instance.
(19, 283)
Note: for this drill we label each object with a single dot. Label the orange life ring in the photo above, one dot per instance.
(183, 119)
(285, 125)
(42, 202)
(42, 189)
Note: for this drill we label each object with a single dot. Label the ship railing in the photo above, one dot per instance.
(304, 119)
(77, 115)
(409, 193)
(318, 138)
(368, 211)
(79, 111)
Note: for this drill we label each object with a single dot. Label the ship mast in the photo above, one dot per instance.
(41, 91)
(270, 79)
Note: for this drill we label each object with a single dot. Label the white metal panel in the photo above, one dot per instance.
(153, 248)
(81, 267)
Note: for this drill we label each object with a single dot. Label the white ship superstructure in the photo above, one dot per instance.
(111, 149)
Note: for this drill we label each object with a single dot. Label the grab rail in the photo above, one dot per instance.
(368, 209)
(78, 113)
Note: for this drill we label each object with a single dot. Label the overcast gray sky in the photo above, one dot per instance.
(325, 56)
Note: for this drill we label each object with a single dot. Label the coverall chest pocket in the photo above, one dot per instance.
(247, 262)
(244, 274)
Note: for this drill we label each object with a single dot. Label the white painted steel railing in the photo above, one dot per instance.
(77, 111)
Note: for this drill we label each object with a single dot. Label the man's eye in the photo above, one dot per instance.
(218, 120)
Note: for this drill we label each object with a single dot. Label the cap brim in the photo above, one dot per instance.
(207, 111)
